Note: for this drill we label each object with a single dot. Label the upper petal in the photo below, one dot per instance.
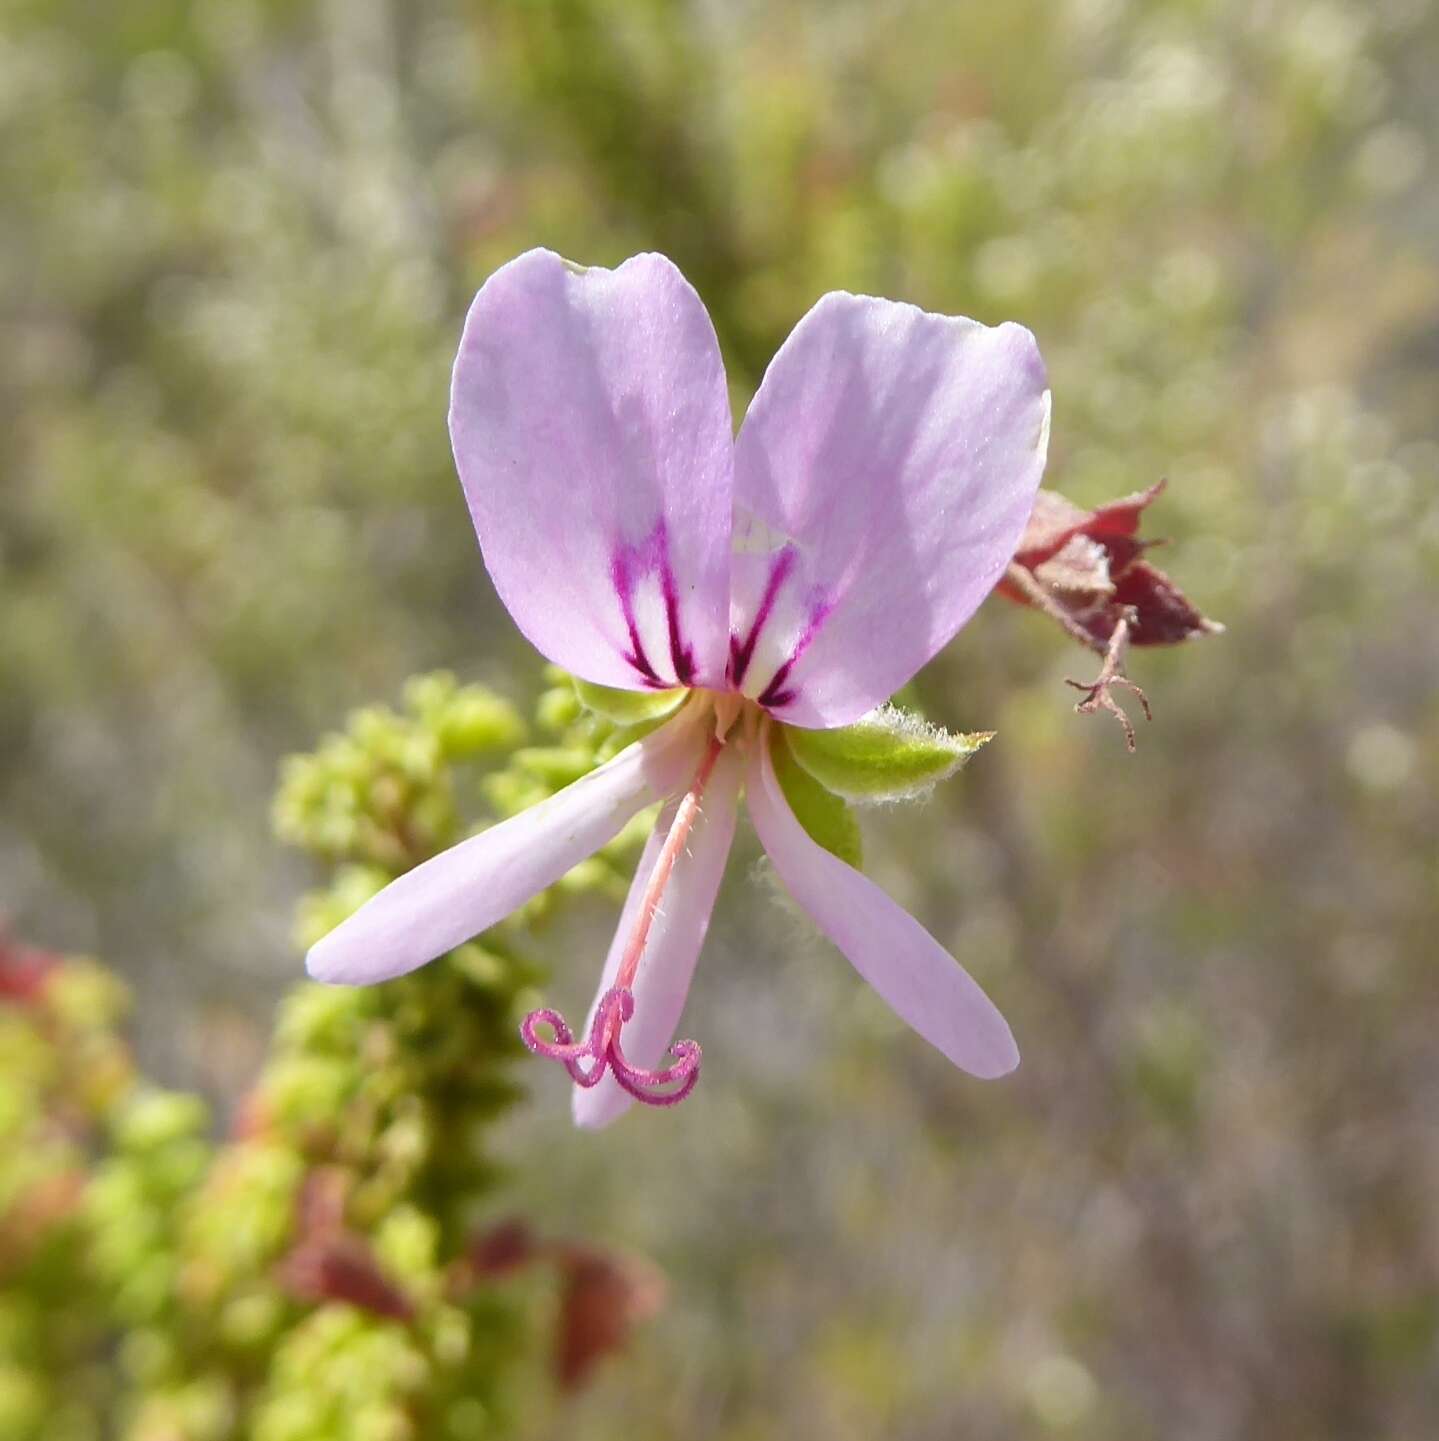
(466, 889)
(592, 431)
(883, 476)
(921, 981)
(668, 962)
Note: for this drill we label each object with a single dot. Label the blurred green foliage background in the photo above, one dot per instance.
(237, 240)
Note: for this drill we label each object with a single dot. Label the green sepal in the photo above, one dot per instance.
(889, 755)
(826, 818)
(628, 707)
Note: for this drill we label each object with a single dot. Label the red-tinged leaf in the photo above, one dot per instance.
(329, 1262)
(493, 1254)
(24, 971)
(603, 1298)
(1117, 518)
(1054, 520)
(340, 1266)
(503, 1248)
(1079, 567)
(1084, 569)
(1162, 613)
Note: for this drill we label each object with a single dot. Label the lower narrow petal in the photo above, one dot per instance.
(468, 888)
(924, 985)
(668, 963)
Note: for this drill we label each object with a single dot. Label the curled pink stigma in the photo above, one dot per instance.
(588, 1060)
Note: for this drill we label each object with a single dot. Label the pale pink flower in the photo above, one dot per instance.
(797, 574)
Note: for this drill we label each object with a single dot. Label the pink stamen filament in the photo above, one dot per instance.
(679, 833)
(588, 1060)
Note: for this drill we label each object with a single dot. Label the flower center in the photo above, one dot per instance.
(587, 1061)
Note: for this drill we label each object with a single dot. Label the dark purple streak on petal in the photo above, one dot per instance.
(741, 653)
(650, 557)
(776, 694)
(624, 589)
(680, 654)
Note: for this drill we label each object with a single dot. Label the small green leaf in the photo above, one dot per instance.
(889, 755)
(828, 821)
(628, 707)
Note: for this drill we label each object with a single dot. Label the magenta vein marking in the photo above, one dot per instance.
(682, 657)
(651, 557)
(776, 693)
(742, 653)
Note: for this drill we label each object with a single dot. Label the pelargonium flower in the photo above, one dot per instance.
(767, 592)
